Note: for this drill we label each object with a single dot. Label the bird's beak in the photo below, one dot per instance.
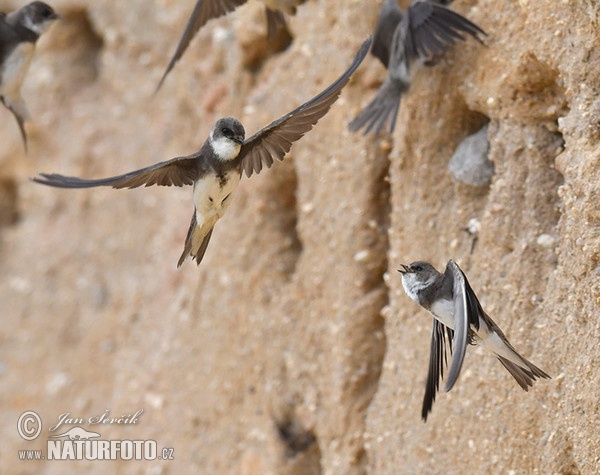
(238, 140)
(406, 269)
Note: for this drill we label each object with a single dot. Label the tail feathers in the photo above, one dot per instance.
(196, 241)
(382, 110)
(524, 376)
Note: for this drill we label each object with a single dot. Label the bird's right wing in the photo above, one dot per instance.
(175, 172)
(275, 140)
(204, 11)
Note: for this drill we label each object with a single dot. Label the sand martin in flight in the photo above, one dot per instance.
(206, 10)
(403, 41)
(458, 314)
(215, 170)
(19, 31)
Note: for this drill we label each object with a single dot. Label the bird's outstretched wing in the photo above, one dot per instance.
(437, 361)
(390, 17)
(275, 140)
(175, 172)
(432, 28)
(204, 11)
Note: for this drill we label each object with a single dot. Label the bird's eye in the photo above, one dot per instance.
(47, 13)
(416, 268)
(227, 132)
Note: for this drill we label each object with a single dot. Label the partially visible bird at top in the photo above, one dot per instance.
(402, 41)
(206, 10)
(19, 31)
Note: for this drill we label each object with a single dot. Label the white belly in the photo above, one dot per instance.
(212, 199)
(14, 70)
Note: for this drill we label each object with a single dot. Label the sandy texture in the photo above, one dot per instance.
(292, 349)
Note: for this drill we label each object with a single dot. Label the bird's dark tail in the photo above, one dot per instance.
(524, 376)
(196, 241)
(382, 110)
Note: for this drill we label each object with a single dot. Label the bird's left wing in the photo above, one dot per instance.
(275, 140)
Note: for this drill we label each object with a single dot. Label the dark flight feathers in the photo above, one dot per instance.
(437, 362)
(434, 28)
(276, 139)
(175, 172)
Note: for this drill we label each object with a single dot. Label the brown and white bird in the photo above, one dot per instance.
(19, 31)
(402, 42)
(458, 314)
(206, 10)
(216, 169)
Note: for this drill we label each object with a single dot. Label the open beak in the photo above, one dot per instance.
(406, 269)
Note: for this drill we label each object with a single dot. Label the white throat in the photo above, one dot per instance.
(412, 286)
(225, 149)
(38, 28)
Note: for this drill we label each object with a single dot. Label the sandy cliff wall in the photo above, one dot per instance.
(293, 348)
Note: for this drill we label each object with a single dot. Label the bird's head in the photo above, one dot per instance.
(418, 275)
(37, 16)
(227, 137)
